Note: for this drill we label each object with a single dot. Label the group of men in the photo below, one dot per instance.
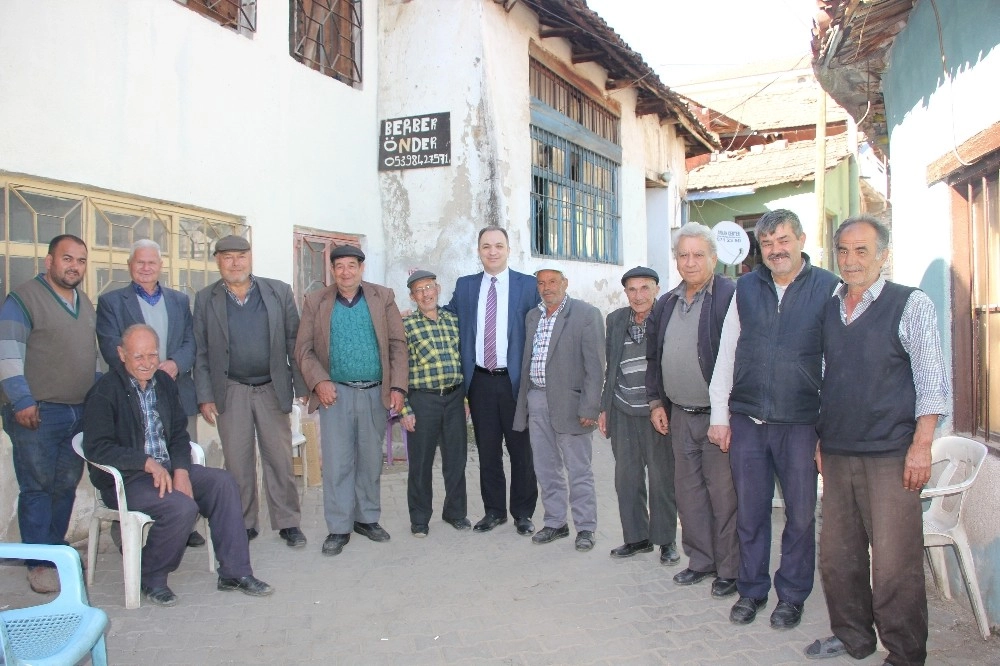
(709, 392)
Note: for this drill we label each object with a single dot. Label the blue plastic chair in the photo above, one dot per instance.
(64, 630)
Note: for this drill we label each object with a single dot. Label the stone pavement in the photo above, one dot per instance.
(460, 597)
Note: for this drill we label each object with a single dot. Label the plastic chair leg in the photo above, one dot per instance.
(93, 540)
(99, 653)
(968, 569)
(935, 556)
(132, 561)
(209, 545)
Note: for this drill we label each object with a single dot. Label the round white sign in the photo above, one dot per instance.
(732, 242)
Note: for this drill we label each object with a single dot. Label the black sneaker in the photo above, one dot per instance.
(335, 543)
(549, 534)
(293, 536)
(373, 531)
(419, 531)
(247, 585)
(161, 596)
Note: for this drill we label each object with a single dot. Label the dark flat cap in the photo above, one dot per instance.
(231, 244)
(640, 272)
(417, 276)
(346, 251)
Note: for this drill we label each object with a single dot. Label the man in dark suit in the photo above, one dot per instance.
(562, 373)
(168, 312)
(636, 445)
(244, 329)
(489, 304)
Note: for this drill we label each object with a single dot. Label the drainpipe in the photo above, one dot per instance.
(825, 234)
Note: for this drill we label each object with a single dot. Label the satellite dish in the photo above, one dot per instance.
(732, 243)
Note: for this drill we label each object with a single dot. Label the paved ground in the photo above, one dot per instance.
(459, 597)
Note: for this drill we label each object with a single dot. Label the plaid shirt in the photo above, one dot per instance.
(540, 343)
(918, 333)
(156, 445)
(235, 298)
(433, 349)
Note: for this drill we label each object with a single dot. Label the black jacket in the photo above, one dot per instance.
(113, 431)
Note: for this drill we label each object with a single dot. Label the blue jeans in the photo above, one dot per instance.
(48, 472)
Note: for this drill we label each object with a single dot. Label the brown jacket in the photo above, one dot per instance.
(312, 347)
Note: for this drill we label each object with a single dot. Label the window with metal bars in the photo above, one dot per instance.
(325, 35)
(554, 91)
(574, 201)
(238, 15)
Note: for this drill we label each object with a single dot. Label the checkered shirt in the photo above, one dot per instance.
(156, 444)
(918, 333)
(435, 362)
(540, 343)
(235, 298)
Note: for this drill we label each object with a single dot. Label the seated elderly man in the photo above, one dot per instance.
(133, 420)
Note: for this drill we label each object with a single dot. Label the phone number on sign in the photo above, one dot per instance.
(417, 160)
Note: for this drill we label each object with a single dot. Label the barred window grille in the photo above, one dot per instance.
(238, 15)
(554, 91)
(574, 193)
(326, 36)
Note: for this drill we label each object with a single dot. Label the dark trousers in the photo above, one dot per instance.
(440, 421)
(47, 471)
(706, 497)
(640, 450)
(491, 401)
(216, 496)
(759, 452)
(865, 504)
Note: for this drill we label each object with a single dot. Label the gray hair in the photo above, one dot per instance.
(145, 244)
(697, 230)
(136, 328)
(769, 222)
(881, 231)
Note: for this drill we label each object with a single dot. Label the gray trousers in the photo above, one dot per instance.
(254, 410)
(638, 450)
(706, 497)
(553, 452)
(352, 431)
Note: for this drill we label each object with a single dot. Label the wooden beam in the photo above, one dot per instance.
(546, 33)
(648, 106)
(618, 84)
(587, 56)
(971, 151)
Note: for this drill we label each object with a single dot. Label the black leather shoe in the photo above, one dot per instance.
(459, 523)
(488, 522)
(335, 543)
(786, 615)
(524, 526)
(195, 540)
(745, 610)
(252, 534)
(419, 531)
(585, 541)
(247, 585)
(668, 554)
(630, 549)
(549, 534)
(723, 587)
(373, 531)
(691, 577)
(161, 596)
(293, 536)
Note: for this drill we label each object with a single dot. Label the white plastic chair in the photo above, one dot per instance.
(62, 631)
(961, 460)
(134, 527)
(299, 448)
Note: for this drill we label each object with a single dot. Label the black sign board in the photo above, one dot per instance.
(415, 142)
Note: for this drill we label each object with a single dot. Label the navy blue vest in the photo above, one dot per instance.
(868, 394)
(779, 354)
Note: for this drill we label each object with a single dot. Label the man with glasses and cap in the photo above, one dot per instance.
(245, 380)
(352, 351)
(435, 407)
(624, 418)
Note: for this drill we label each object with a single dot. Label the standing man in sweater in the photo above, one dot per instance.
(48, 362)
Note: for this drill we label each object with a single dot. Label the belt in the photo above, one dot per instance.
(496, 372)
(443, 391)
(361, 385)
(258, 385)
(694, 410)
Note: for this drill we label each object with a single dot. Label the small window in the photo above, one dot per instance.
(238, 15)
(325, 35)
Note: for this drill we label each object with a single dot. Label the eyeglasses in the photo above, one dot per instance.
(424, 289)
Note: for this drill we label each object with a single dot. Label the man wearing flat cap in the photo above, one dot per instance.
(435, 407)
(245, 380)
(649, 518)
(559, 402)
(352, 351)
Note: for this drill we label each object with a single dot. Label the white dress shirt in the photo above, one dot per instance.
(503, 307)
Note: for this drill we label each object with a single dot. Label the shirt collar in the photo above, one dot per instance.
(873, 291)
(151, 384)
(541, 306)
(153, 298)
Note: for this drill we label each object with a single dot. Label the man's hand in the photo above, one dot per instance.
(170, 368)
(161, 477)
(917, 471)
(409, 422)
(720, 436)
(28, 417)
(396, 401)
(209, 411)
(602, 423)
(658, 417)
(587, 423)
(182, 482)
(326, 392)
